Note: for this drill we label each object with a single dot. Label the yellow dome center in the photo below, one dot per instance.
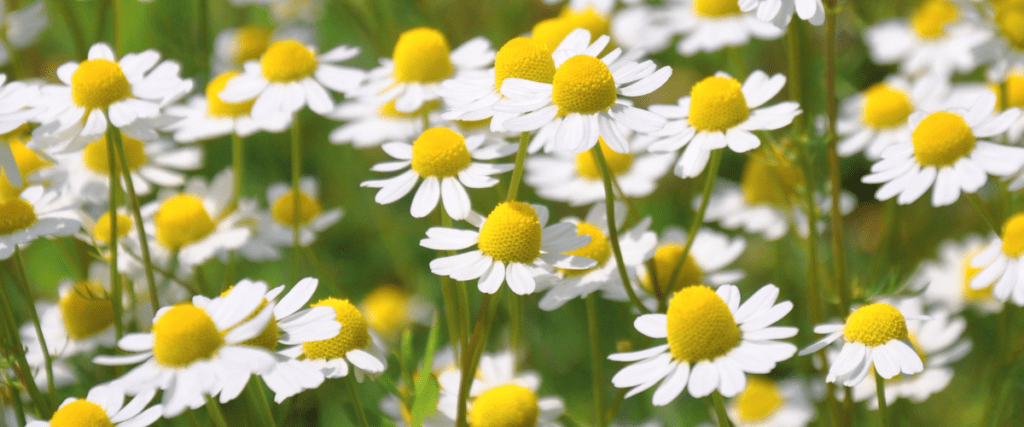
(80, 413)
(583, 84)
(101, 231)
(509, 405)
(588, 167)
(511, 233)
(268, 336)
(759, 400)
(770, 181)
(387, 310)
(700, 325)
(28, 162)
(283, 209)
(95, 155)
(440, 152)
(422, 56)
(353, 335)
(875, 324)
(665, 260)
(249, 42)
(717, 103)
(941, 139)
(1010, 19)
(217, 107)
(598, 249)
(86, 310)
(287, 61)
(886, 106)
(388, 110)
(716, 8)
(969, 273)
(932, 16)
(181, 220)
(523, 58)
(183, 335)
(15, 215)
(97, 83)
(1014, 88)
(1013, 235)
(550, 32)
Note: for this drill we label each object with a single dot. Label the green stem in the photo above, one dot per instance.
(238, 163)
(101, 19)
(259, 399)
(517, 173)
(296, 144)
(883, 407)
(985, 214)
(192, 419)
(698, 219)
(350, 382)
(471, 354)
(613, 233)
(118, 36)
(596, 358)
(43, 410)
(793, 80)
(832, 138)
(27, 291)
(813, 287)
(77, 38)
(216, 414)
(115, 276)
(719, 403)
(464, 319)
(452, 309)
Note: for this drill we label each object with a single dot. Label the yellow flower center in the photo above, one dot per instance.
(387, 310)
(941, 139)
(717, 104)
(80, 413)
(759, 400)
(716, 8)
(700, 325)
(354, 334)
(583, 84)
(86, 310)
(250, 42)
(971, 294)
(598, 249)
(932, 16)
(1010, 19)
(97, 83)
(388, 110)
(588, 167)
(1014, 90)
(550, 32)
(283, 210)
(101, 231)
(183, 335)
(885, 106)
(422, 56)
(509, 405)
(875, 324)
(523, 58)
(511, 233)
(770, 181)
(95, 155)
(181, 220)
(287, 61)
(440, 152)
(28, 162)
(217, 107)
(16, 214)
(1013, 235)
(268, 337)
(665, 260)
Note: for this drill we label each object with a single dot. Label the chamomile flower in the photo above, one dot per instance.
(372, 120)
(876, 118)
(874, 335)
(21, 27)
(1005, 50)
(128, 93)
(711, 331)
(550, 32)
(946, 281)
(104, 406)
(389, 310)
(946, 150)
(1014, 99)
(209, 117)
(585, 92)
(637, 245)
(444, 159)
(355, 344)
(769, 403)
(289, 76)
(265, 242)
(576, 178)
(29, 162)
(233, 47)
(313, 219)
(999, 264)
(195, 347)
(33, 214)
(514, 244)
(645, 27)
(601, 6)
(15, 97)
(780, 12)
(721, 112)
(712, 25)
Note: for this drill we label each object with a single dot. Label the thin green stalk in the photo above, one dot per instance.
(350, 382)
(464, 319)
(296, 144)
(517, 173)
(452, 308)
(19, 408)
(115, 276)
(259, 400)
(883, 406)
(192, 419)
(471, 354)
(238, 164)
(719, 403)
(118, 36)
(613, 233)
(24, 370)
(813, 287)
(27, 291)
(216, 413)
(793, 80)
(114, 134)
(596, 358)
(832, 139)
(985, 214)
(77, 37)
(698, 219)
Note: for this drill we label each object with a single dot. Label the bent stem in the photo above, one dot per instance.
(595, 358)
(350, 383)
(517, 173)
(296, 144)
(613, 233)
(883, 408)
(698, 219)
(133, 199)
(719, 404)
(47, 358)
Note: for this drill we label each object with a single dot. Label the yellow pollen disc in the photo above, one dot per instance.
(217, 107)
(717, 104)
(770, 180)
(550, 32)
(268, 337)
(523, 58)
(665, 260)
(598, 249)
(181, 220)
(183, 335)
(283, 209)
(422, 56)
(1010, 19)
(1014, 88)
(249, 42)
(287, 61)
(95, 155)
(588, 167)
(354, 334)
(932, 16)
(716, 8)
(759, 400)
(16, 215)
(101, 231)
(28, 162)
(700, 325)
(875, 324)
(511, 233)
(941, 139)
(97, 83)
(86, 310)
(1013, 235)
(509, 405)
(440, 152)
(886, 106)
(583, 84)
(387, 310)
(80, 413)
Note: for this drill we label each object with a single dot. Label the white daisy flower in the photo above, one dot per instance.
(209, 117)
(1005, 50)
(15, 98)
(312, 217)
(445, 161)
(235, 46)
(637, 245)
(875, 335)
(390, 310)
(712, 25)
(104, 406)
(711, 330)
(265, 242)
(196, 347)
(355, 344)
(28, 162)
(421, 61)
(644, 27)
(372, 120)
(719, 113)
(21, 27)
(585, 92)
(550, 32)
(967, 93)
(780, 12)
(876, 118)
(946, 281)
(769, 403)
(576, 178)
(129, 93)
(514, 245)
(33, 214)
(946, 150)
(289, 76)
(1000, 263)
